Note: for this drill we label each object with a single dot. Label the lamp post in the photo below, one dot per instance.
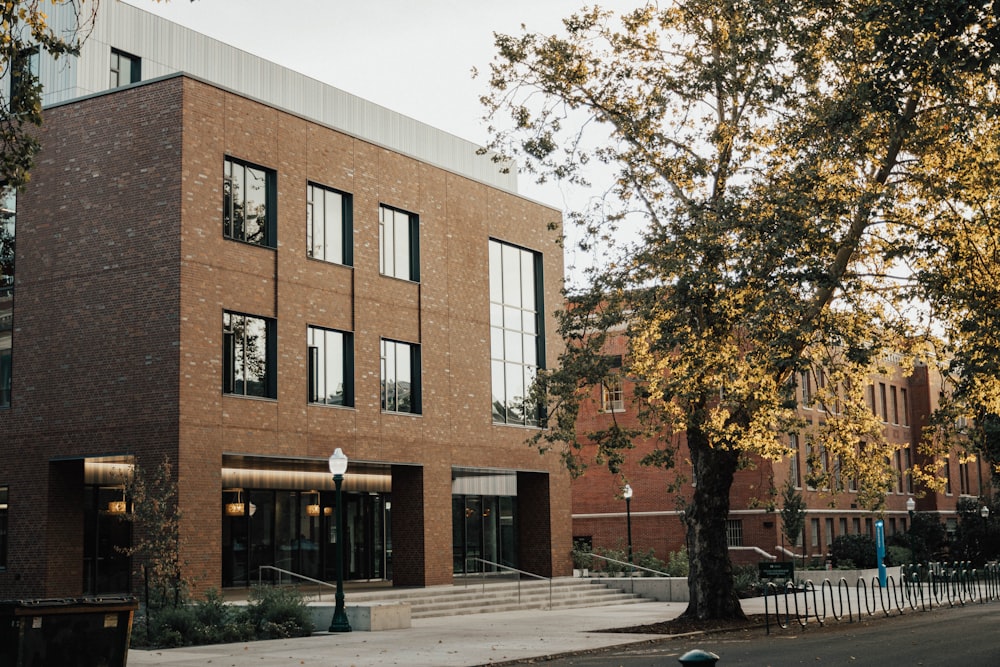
(627, 494)
(984, 512)
(338, 466)
(911, 505)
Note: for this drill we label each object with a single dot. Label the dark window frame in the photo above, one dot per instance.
(229, 203)
(415, 394)
(500, 358)
(135, 68)
(413, 253)
(269, 386)
(346, 224)
(313, 372)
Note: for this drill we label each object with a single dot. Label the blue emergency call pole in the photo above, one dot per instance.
(880, 551)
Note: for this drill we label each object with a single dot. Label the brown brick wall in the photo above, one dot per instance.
(123, 275)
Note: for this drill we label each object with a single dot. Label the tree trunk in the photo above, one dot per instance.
(710, 579)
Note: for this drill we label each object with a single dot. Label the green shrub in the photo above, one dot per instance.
(583, 557)
(278, 612)
(173, 626)
(746, 581)
(610, 567)
(860, 549)
(649, 561)
(677, 563)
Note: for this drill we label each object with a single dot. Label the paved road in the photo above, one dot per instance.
(967, 636)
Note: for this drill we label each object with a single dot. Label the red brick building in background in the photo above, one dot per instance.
(902, 402)
(210, 270)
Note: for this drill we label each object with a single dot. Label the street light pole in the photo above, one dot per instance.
(627, 494)
(911, 505)
(984, 512)
(338, 466)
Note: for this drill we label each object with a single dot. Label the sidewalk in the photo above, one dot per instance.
(460, 641)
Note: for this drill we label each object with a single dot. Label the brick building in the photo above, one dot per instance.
(226, 265)
(902, 402)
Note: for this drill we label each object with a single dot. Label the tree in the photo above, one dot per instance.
(793, 174)
(156, 541)
(793, 515)
(26, 35)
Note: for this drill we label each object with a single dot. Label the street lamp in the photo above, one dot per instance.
(627, 494)
(338, 466)
(984, 512)
(911, 505)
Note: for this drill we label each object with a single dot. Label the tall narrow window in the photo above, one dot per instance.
(248, 203)
(8, 213)
(329, 228)
(125, 68)
(400, 377)
(793, 469)
(331, 367)
(805, 382)
(249, 355)
(516, 336)
(908, 463)
(904, 408)
(895, 404)
(734, 532)
(612, 392)
(398, 244)
(883, 402)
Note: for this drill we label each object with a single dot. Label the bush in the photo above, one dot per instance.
(859, 549)
(278, 613)
(649, 561)
(610, 567)
(677, 563)
(746, 581)
(583, 557)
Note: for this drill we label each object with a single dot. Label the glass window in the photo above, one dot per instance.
(905, 417)
(882, 402)
(517, 350)
(249, 355)
(612, 394)
(125, 68)
(331, 367)
(4, 495)
(734, 532)
(793, 469)
(805, 381)
(400, 377)
(8, 210)
(248, 203)
(329, 228)
(398, 244)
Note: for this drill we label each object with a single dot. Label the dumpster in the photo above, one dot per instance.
(69, 632)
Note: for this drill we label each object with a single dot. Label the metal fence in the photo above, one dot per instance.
(919, 588)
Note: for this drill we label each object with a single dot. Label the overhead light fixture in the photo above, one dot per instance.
(313, 509)
(118, 506)
(238, 508)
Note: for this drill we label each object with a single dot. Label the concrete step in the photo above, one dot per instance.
(493, 596)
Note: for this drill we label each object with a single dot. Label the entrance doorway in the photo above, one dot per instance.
(483, 533)
(295, 531)
(107, 536)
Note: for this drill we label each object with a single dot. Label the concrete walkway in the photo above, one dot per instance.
(459, 641)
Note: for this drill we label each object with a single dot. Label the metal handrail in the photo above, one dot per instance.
(519, 572)
(319, 592)
(658, 573)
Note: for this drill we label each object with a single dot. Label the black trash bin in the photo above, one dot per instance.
(70, 632)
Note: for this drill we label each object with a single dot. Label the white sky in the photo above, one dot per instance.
(412, 56)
